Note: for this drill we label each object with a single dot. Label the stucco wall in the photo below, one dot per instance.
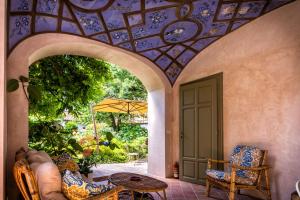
(261, 68)
(2, 96)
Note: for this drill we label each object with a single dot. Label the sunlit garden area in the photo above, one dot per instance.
(63, 94)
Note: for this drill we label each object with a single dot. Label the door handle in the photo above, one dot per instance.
(181, 135)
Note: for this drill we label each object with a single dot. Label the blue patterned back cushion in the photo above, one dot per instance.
(246, 156)
(75, 188)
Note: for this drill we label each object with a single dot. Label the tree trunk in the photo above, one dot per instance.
(113, 122)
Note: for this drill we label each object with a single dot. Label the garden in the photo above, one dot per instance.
(61, 91)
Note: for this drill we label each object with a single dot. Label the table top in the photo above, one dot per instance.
(141, 184)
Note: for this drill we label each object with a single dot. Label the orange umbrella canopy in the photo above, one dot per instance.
(122, 106)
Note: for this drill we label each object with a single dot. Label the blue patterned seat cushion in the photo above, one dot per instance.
(246, 156)
(225, 176)
(75, 188)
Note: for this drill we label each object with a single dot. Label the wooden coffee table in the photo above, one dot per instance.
(139, 183)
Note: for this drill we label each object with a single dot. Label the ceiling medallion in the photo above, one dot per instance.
(181, 31)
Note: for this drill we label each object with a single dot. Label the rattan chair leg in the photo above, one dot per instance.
(268, 184)
(207, 188)
(232, 192)
(232, 185)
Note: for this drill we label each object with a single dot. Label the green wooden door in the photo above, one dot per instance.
(200, 127)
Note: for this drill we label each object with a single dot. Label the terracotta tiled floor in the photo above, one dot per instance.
(177, 190)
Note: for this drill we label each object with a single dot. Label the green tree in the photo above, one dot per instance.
(67, 83)
(123, 85)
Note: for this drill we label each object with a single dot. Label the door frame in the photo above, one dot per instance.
(220, 142)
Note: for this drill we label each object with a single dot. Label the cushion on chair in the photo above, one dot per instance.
(218, 174)
(65, 162)
(34, 156)
(246, 156)
(48, 180)
(225, 176)
(75, 188)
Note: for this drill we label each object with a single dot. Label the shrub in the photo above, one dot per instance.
(129, 132)
(138, 146)
(52, 138)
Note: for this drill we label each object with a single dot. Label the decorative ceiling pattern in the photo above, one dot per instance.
(167, 32)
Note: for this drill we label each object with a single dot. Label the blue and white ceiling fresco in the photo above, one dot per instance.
(167, 32)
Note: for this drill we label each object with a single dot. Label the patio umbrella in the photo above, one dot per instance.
(131, 107)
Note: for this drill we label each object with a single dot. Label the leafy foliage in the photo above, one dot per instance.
(123, 85)
(52, 138)
(12, 85)
(33, 91)
(129, 132)
(68, 83)
(85, 164)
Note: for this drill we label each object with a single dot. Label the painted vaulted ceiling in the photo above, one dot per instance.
(167, 32)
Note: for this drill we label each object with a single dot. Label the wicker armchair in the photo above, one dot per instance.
(246, 169)
(27, 184)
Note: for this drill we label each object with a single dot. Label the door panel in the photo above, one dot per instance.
(189, 97)
(201, 170)
(189, 129)
(200, 127)
(205, 94)
(205, 130)
(189, 169)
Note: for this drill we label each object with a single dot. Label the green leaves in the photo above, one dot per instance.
(67, 84)
(33, 91)
(109, 136)
(23, 79)
(12, 85)
(112, 146)
(52, 138)
(75, 145)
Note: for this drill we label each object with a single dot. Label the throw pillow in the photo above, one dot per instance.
(75, 188)
(34, 156)
(48, 179)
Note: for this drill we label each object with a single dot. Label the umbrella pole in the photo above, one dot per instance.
(95, 129)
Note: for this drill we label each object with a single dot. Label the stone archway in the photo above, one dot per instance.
(44, 45)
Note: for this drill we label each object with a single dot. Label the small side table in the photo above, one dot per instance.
(139, 183)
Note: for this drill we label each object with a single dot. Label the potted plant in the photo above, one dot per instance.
(176, 170)
(86, 162)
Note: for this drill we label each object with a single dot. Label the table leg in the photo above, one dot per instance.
(165, 196)
(132, 195)
(142, 196)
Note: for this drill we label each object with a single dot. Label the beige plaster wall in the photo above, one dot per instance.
(40, 46)
(261, 68)
(2, 97)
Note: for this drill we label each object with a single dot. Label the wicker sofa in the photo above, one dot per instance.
(37, 177)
